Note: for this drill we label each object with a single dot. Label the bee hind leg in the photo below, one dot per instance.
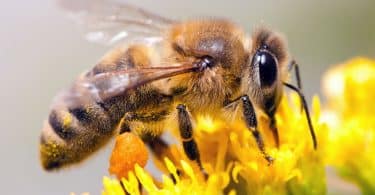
(157, 145)
(161, 149)
(186, 131)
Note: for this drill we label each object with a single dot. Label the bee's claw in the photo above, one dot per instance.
(205, 174)
(269, 159)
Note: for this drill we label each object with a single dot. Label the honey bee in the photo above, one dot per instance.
(162, 67)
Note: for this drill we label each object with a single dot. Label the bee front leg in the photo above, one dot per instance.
(274, 130)
(252, 125)
(270, 111)
(186, 132)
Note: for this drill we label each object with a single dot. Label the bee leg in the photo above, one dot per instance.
(270, 109)
(274, 129)
(124, 128)
(157, 145)
(251, 123)
(188, 142)
(161, 149)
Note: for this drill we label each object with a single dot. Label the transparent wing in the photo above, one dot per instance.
(109, 22)
(102, 86)
(110, 84)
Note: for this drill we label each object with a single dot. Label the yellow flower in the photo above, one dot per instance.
(350, 90)
(234, 163)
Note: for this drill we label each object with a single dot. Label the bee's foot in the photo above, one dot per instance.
(205, 174)
(269, 159)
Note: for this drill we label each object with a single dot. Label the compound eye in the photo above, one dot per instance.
(266, 68)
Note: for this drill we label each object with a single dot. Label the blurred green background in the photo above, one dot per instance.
(41, 51)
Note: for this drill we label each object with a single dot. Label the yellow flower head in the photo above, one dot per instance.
(234, 163)
(350, 87)
(350, 90)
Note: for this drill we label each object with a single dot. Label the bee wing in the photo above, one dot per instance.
(102, 86)
(109, 22)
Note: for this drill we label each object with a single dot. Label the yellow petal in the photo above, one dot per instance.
(189, 171)
(131, 184)
(172, 169)
(145, 179)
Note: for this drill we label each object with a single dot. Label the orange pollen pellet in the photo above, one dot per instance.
(129, 150)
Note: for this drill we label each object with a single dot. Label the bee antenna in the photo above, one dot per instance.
(304, 104)
(293, 64)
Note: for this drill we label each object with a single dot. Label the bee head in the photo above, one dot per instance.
(266, 67)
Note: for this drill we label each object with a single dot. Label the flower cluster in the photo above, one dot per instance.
(234, 163)
(350, 89)
(345, 132)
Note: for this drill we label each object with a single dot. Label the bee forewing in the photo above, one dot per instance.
(108, 22)
(110, 84)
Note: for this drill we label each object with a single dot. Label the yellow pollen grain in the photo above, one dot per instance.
(67, 120)
(206, 124)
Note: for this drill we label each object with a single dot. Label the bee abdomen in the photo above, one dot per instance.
(80, 123)
(71, 134)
